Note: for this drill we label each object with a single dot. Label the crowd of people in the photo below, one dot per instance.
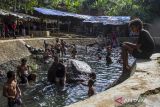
(10, 27)
(142, 49)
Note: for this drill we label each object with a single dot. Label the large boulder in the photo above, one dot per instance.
(76, 71)
(80, 66)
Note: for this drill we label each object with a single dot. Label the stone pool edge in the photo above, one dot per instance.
(145, 78)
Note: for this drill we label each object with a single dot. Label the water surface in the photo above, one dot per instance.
(43, 94)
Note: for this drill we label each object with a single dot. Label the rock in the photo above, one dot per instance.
(81, 66)
(75, 70)
(34, 50)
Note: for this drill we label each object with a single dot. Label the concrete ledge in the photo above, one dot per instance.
(12, 50)
(146, 79)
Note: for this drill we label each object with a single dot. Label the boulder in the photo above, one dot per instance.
(76, 71)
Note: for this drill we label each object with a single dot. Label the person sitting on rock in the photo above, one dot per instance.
(23, 72)
(144, 47)
(57, 72)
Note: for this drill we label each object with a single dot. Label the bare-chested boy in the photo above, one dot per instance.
(11, 90)
(90, 88)
(23, 72)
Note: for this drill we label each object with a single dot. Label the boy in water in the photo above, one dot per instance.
(47, 55)
(57, 47)
(92, 76)
(23, 72)
(90, 88)
(63, 47)
(91, 82)
(73, 51)
(11, 90)
(142, 49)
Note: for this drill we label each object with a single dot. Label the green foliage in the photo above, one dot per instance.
(145, 9)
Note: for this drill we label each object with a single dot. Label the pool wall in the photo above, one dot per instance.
(15, 49)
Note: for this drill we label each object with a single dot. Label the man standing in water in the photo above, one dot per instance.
(57, 72)
(11, 90)
(142, 49)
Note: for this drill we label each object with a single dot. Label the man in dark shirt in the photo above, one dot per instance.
(57, 73)
(142, 49)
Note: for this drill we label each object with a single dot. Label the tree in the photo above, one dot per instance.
(147, 10)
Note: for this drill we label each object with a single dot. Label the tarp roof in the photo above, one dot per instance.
(109, 20)
(105, 20)
(19, 15)
(24, 16)
(3, 12)
(53, 12)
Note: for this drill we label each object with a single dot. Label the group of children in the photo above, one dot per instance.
(58, 49)
(11, 89)
(108, 49)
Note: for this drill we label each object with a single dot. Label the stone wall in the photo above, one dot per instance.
(12, 50)
(15, 49)
(38, 42)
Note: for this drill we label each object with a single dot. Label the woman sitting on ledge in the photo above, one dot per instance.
(144, 47)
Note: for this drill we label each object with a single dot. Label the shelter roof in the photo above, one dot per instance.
(53, 12)
(109, 20)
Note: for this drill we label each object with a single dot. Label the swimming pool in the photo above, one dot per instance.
(43, 94)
